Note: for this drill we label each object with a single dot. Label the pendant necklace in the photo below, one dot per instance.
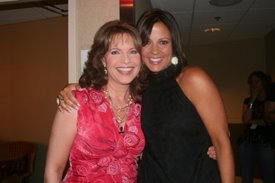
(120, 112)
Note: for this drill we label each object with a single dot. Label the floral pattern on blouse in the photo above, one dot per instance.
(100, 154)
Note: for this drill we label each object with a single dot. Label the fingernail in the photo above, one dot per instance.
(69, 110)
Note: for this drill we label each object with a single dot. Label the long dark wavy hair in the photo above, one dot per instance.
(93, 74)
(146, 23)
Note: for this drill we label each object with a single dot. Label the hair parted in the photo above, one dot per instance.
(93, 74)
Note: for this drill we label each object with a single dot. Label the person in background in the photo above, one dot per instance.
(182, 111)
(270, 116)
(103, 138)
(270, 104)
(255, 146)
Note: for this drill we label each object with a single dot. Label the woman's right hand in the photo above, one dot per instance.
(67, 100)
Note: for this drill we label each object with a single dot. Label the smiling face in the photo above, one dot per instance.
(157, 53)
(122, 60)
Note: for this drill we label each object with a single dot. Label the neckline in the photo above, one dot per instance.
(122, 127)
(164, 75)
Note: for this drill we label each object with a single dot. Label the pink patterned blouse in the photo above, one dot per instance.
(100, 154)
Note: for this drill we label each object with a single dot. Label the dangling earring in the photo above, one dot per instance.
(105, 69)
(174, 60)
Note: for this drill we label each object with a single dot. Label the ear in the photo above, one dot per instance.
(103, 61)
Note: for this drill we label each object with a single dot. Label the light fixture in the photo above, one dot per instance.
(212, 29)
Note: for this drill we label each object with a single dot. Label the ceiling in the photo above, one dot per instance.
(245, 20)
(18, 11)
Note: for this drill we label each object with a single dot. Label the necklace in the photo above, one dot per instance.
(120, 112)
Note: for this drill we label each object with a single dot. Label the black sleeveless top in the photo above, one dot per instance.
(176, 139)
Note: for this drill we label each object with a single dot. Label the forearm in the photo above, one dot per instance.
(269, 112)
(53, 176)
(225, 161)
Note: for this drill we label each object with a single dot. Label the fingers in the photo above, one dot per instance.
(68, 99)
(62, 107)
(212, 153)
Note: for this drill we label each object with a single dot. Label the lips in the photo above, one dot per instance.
(154, 60)
(125, 70)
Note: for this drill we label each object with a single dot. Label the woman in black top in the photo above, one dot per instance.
(177, 119)
(255, 145)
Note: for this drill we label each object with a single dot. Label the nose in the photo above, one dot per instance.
(154, 49)
(126, 58)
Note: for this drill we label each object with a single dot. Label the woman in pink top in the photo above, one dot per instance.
(103, 138)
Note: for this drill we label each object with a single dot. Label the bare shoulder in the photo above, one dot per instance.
(193, 75)
(195, 82)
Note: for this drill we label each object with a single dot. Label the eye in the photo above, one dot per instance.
(114, 52)
(134, 51)
(163, 42)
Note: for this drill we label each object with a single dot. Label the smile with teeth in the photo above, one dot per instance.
(155, 60)
(125, 69)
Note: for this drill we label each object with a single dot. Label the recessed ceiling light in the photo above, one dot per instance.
(212, 29)
(224, 2)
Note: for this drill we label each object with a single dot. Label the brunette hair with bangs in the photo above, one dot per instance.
(93, 74)
(146, 23)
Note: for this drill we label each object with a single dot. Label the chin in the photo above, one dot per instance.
(126, 81)
(155, 69)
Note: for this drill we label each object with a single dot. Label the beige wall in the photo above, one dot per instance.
(229, 64)
(33, 67)
(85, 17)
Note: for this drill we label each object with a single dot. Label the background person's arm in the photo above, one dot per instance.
(269, 112)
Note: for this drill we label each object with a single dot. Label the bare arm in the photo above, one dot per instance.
(202, 92)
(61, 139)
(68, 100)
(269, 112)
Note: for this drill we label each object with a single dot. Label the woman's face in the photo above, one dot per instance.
(122, 60)
(157, 53)
(256, 83)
